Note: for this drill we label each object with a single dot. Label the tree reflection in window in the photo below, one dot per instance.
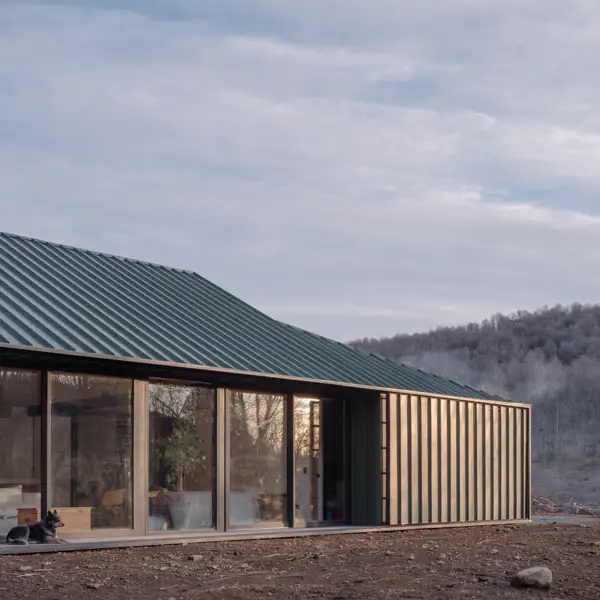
(258, 461)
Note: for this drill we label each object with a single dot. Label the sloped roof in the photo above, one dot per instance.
(67, 299)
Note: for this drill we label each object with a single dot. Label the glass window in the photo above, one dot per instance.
(181, 457)
(91, 451)
(320, 462)
(258, 492)
(20, 445)
(307, 445)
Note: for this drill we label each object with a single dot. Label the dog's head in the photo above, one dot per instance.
(53, 520)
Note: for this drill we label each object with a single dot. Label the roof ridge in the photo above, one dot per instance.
(98, 253)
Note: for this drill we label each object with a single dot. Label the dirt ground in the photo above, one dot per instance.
(435, 564)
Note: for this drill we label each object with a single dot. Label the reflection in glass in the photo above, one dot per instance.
(320, 460)
(91, 451)
(307, 461)
(181, 457)
(258, 494)
(20, 440)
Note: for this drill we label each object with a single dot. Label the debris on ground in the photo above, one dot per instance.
(469, 563)
(544, 506)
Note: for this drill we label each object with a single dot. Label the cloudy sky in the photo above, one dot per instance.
(355, 167)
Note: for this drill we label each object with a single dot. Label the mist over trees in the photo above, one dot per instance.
(549, 358)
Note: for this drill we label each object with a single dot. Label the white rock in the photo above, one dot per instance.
(536, 577)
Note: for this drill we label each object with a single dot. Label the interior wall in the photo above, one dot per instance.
(451, 461)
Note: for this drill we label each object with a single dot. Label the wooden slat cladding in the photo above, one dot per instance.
(454, 460)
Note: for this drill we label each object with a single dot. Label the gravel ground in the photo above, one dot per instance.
(434, 564)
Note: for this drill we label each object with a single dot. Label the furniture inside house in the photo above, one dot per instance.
(74, 518)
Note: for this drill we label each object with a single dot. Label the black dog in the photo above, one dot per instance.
(42, 532)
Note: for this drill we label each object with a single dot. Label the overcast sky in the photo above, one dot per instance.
(354, 167)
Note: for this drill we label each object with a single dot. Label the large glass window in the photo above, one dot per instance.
(20, 440)
(181, 457)
(91, 451)
(258, 492)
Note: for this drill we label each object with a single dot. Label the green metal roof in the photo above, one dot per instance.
(62, 298)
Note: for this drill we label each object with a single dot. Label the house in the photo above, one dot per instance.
(147, 405)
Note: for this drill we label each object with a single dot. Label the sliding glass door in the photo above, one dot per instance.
(257, 460)
(20, 446)
(128, 458)
(91, 446)
(181, 471)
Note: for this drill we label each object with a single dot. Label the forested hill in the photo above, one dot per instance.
(549, 358)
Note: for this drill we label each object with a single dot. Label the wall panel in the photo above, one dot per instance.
(487, 451)
(461, 450)
(479, 461)
(451, 460)
(404, 493)
(424, 450)
(433, 460)
(414, 458)
(470, 460)
(444, 451)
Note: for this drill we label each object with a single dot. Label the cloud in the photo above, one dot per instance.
(358, 169)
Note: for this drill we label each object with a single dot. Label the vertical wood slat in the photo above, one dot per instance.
(499, 494)
(444, 451)
(480, 466)
(528, 463)
(403, 459)
(470, 460)
(434, 444)
(414, 459)
(452, 460)
(392, 459)
(424, 448)
(488, 503)
(519, 463)
(503, 462)
(495, 463)
(462, 440)
(511, 471)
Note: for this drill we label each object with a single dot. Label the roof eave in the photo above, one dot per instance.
(206, 369)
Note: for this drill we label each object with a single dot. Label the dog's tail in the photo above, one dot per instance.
(18, 542)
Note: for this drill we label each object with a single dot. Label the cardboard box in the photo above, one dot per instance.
(75, 518)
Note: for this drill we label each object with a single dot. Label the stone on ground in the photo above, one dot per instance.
(536, 577)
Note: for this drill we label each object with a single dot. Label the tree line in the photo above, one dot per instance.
(549, 358)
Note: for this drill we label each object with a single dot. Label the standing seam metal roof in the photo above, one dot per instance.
(62, 298)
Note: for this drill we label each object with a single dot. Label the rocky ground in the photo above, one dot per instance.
(435, 564)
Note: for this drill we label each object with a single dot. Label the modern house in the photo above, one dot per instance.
(147, 405)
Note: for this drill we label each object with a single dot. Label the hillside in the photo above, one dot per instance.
(549, 358)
